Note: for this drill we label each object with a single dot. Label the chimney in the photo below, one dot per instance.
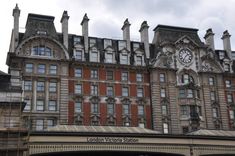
(209, 38)
(64, 21)
(226, 41)
(84, 25)
(16, 15)
(126, 33)
(144, 36)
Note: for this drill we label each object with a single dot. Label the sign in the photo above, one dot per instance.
(112, 140)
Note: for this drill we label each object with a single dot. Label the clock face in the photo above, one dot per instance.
(185, 56)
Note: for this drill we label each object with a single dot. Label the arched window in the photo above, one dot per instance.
(41, 51)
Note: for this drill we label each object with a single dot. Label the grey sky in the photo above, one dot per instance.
(107, 16)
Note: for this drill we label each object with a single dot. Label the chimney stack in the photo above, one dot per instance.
(126, 33)
(16, 15)
(144, 36)
(84, 25)
(209, 38)
(64, 21)
(226, 42)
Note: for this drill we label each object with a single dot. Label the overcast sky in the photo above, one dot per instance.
(107, 17)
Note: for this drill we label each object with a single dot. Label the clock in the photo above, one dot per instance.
(185, 56)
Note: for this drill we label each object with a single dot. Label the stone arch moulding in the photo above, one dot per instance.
(43, 37)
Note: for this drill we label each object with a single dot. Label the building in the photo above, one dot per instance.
(13, 135)
(83, 80)
(95, 89)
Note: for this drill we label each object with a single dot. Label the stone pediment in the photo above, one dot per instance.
(109, 48)
(124, 50)
(186, 41)
(211, 65)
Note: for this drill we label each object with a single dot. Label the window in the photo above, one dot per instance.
(165, 128)
(50, 123)
(136, 46)
(78, 55)
(109, 75)
(76, 40)
(28, 105)
(163, 92)
(227, 83)
(190, 93)
(125, 109)
(42, 51)
(40, 105)
(109, 91)
(184, 111)
(53, 69)
(124, 59)
(78, 89)
(185, 78)
(121, 45)
(41, 68)
(78, 72)
(139, 60)
(94, 56)
(40, 86)
(162, 77)
(226, 68)
(94, 90)
(164, 109)
(52, 105)
(78, 107)
(92, 42)
(126, 123)
(29, 68)
(181, 93)
(94, 108)
(221, 55)
(212, 96)
(27, 85)
(94, 74)
(110, 108)
(109, 57)
(215, 112)
(233, 55)
(107, 43)
(139, 77)
(140, 92)
(231, 114)
(124, 76)
(39, 125)
(125, 91)
(229, 98)
(52, 87)
(141, 125)
(211, 81)
(141, 110)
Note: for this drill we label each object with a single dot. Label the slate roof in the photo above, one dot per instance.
(205, 132)
(172, 34)
(101, 129)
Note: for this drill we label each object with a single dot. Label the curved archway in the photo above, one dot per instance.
(24, 42)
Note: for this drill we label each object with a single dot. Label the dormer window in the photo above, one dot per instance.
(41, 51)
(107, 43)
(92, 42)
(94, 56)
(109, 57)
(226, 68)
(76, 40)
(121, 45)
(221, 55)
(136, 46)
(139, 60)
(124, 59)
(78, 54)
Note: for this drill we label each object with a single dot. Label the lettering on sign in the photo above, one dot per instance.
(112, 140)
